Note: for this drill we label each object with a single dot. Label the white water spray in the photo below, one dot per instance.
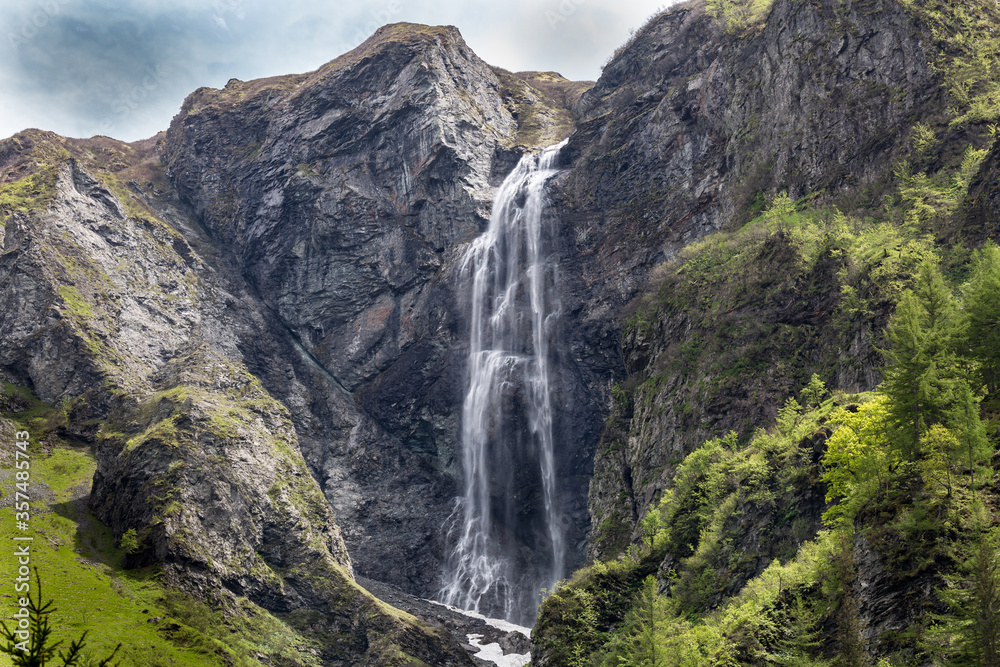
(513, 308)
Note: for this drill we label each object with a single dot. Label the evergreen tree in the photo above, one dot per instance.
(922, 374)
(656, 636)
(812, 394)
(975, 448)
(985, 612)
(982, 317)
(939, 447)
(645, 619)
(652, 526)
(39, 649)
(858, 459)
(970, 634)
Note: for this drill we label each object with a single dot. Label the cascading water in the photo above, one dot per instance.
(506, 437)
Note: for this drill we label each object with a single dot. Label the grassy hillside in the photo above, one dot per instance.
(82, 569)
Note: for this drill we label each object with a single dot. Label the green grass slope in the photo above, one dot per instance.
(81, 568)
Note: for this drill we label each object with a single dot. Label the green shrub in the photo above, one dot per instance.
(130, 542)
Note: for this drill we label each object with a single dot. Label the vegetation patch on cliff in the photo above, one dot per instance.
(732, 566)
(739, 16)
(966, 54)
(916, 524)
(541, 103)
(31, 193)
(737, 320)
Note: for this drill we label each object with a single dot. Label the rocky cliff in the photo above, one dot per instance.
(122, 311)
(815, 100)
(821, 153)
(345, 197)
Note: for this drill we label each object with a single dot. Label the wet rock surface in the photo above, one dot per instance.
(458, 624)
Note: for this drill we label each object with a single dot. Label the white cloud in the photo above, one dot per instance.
(75, 65)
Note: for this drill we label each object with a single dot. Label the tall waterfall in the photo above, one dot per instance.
(506, 435)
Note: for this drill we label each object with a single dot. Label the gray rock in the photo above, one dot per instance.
(514, 642)
(123, 310)
(816, 101)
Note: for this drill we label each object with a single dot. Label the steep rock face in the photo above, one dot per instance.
(122, 312)
(710, 355)
(688, 124)
(345, 196)
(692, 129)
(358, 178)
(890, 600)
(335, 205)
(338, 193)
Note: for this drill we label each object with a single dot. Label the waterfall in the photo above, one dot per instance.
(506, 437)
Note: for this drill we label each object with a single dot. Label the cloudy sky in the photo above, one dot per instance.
(123, 67)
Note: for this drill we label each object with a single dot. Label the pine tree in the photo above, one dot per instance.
(985, 614)
(41, 649)
(922, 375)
(975, 447)
(648, 612)
(982, 317)
(656, 636)
(940, 449)
(812, 394)
(970, 633)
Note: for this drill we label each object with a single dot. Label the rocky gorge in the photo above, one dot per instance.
(254, 320)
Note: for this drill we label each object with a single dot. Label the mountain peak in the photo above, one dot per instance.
(408, 35)
(414, 35)
(412, 32)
